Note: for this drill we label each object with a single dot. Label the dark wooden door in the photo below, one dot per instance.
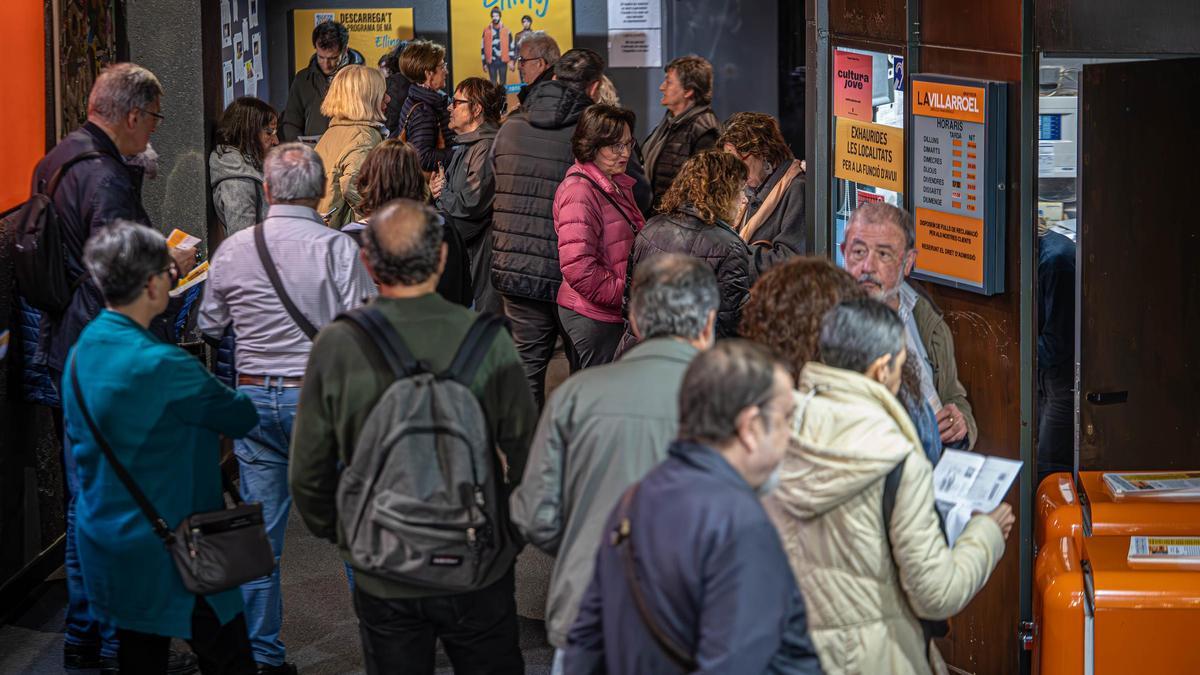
(1139, 266)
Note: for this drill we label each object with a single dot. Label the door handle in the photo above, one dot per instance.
(1107, 397)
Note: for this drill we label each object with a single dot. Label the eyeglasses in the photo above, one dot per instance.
(619, 148)
(455, 102)
(158, 116)
(521, 60)
(270, 131)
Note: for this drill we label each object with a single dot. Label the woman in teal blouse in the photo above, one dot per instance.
(162, 413)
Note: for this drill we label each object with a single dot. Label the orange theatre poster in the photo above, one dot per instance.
(852, 85)
(374, 31)
(957, 182)
(869, 153)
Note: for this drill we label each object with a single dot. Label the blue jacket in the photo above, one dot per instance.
(161, 412)
(713, 571)
(92, 194)
(37, 386)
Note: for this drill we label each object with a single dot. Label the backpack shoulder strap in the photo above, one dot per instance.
(474, 349)
(264, 256)
(891, 485)
(52, 186)
(387, 341)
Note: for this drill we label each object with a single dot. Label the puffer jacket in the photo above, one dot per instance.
(343, 149)
(36, 384)
(674, 140)
(466, 204)
(397, 91)
(237, 192)
(594, 240)
(783, 232)
(422, 118)
(717, 245)
(848, 434)
(530, 156)
(302, 115)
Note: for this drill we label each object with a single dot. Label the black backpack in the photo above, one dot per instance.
(39, 262)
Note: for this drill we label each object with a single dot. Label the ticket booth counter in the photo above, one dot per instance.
(1077, 511)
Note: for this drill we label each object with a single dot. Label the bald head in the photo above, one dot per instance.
(403, 243)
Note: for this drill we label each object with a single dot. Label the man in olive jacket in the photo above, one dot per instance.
(606, 427)
(343, 382)
(302, 116)
(880, 251)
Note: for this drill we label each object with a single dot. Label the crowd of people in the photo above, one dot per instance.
(710, 479)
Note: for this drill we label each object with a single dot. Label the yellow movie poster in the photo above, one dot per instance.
(373, 31)
(484, 35)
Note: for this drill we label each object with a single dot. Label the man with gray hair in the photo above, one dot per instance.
(880, 252)
(277, 284)
(605, 427)
(96, 186)
(399, 622)
(536, 54)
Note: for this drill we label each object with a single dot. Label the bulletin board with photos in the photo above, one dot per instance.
(243, 50)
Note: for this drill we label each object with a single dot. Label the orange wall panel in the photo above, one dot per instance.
(23, 116)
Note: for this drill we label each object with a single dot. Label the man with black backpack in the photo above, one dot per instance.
(277, 284)
(85, 182)
(426, 406)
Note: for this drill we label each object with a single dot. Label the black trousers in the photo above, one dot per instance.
(535, 331)
(222, 650)
(593, 342)
(478, 630)
(1056, 421)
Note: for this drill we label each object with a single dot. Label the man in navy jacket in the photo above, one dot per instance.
(711, 590)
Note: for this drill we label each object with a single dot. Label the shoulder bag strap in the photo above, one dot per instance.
(156, 520)
(623, 534)
(264, 255)
(891, 485)
(612, 201)
(474, 349)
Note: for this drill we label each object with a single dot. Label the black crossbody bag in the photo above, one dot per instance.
(264, 256)
(215, 550)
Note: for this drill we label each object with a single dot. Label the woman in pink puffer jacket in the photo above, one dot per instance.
(596, 220)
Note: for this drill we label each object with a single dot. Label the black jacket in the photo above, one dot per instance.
(302, 115)
(397, 91)
(466, 204)
(783, 233)
(422, 117)
(530, 157)
(92, 194)
(713, 572)
(674, 140)
(717, 245)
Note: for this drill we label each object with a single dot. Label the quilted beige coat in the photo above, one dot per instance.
(848, 434)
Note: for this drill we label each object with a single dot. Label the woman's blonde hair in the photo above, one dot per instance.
(356, 94)
(710, 182)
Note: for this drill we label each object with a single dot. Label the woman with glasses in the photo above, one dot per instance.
(596, 220)
(465, 191)
(246, 132)
(425, 120)
(355, 108)
(162, 415)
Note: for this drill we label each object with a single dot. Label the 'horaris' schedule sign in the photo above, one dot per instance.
(957, 181)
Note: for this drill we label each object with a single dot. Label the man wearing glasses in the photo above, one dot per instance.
(97, 186)
(536, 54)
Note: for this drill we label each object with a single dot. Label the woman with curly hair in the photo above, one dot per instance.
(771, 220)
(694, 220)
(785, 310)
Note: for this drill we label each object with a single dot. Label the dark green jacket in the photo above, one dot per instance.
(302, 115)
(343, 381)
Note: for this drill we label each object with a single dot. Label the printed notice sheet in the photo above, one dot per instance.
(965, 482)
(1164, 549)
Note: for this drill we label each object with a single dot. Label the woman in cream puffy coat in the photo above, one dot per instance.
(863, 610)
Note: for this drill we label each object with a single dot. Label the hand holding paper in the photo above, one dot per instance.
(965, 483)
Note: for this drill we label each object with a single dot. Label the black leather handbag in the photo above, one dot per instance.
(214, 551)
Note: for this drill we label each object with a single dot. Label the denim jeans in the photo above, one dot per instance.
(83, 628)
(263, 460)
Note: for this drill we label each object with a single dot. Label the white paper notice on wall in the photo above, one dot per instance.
(227, 81)
(626, 15)
(635, 49)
